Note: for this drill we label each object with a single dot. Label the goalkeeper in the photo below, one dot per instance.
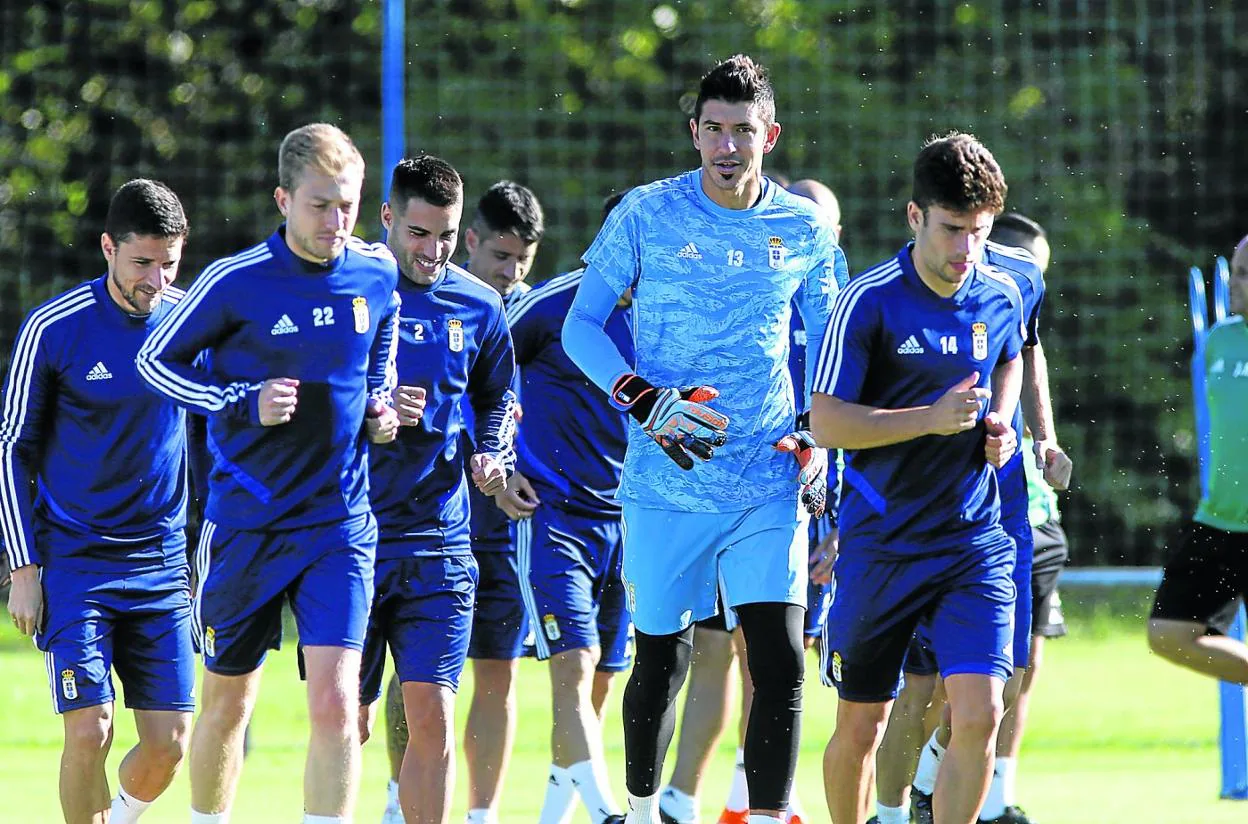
(710, 493)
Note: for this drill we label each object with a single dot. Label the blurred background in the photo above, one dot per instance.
(1121, 127)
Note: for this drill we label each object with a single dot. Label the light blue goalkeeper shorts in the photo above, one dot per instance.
(676, 562)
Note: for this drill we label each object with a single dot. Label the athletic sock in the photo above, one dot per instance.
(891, 815)
(481, 816)
(643, 809)
(763, 819)
(590, 780)
(210, 818)
(739, 792)
(678, 804)
(392, 793)
(308, 818)
(1009, 777)
(394, 810)
(560, 793)
(994, 804)
(126, 808)
(929, 765)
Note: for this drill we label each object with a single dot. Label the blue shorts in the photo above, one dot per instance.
(326, 572)
(499, 623)
(920, 659)
(570, 568)
(423, 612)
(1018, 527)
(677, 564)
(139, 625)
(818, 596)
(964, 598)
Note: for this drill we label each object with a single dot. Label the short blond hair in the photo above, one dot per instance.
(319, 146)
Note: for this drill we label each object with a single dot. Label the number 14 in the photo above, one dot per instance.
(948, 344)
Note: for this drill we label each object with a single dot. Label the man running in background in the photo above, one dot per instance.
(1208, 565)
(454, 349)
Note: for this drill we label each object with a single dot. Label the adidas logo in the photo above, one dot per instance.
(284, 326)
(910, 347)
(99, 372)
(690, 252)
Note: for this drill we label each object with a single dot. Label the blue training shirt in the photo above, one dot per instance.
(572, 440)
(490, 526)
(1020, 266)
(266, 313)
(714, 290)
(894, 343)
(453, 342)
(106, 458)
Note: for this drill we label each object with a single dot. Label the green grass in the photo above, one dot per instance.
(1115, 735)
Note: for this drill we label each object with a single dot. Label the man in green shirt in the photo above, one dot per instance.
(1208, 566)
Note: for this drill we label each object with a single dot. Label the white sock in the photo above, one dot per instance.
(210, 818)
(481, 816)
(678, 804)
(126, 808)
(560, 793)
(643, 809)
(929, 765)
(763, 819)
(994, 804)
(308, 818)
(739, 792)
(392, 792)
(590, 779)
(892, 815)
(1009, 775)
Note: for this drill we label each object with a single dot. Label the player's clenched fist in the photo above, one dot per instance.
(958, 409)
(1055, 463)
(409, 402)
(278, 399)
(26, 599)
(1002, 441)
(488, 473)
(381, 422)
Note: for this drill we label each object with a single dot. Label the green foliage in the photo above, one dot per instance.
(1116, 125)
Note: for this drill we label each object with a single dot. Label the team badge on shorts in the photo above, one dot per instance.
(776, 252)
(551, 627)
(836, 666)
(455, 337)
(210, 642)
(979, 340)
(359, 310)
(69, 685)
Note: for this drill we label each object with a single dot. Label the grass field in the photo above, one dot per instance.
(1116, 735)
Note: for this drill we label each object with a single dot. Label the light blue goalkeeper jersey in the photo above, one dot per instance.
(714, 293)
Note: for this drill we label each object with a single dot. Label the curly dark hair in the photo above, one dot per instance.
(958, 172)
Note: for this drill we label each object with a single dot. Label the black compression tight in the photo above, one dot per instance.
(659, 671)
(773, 643)
(773, 634)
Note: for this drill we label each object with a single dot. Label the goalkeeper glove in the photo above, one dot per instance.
(676, 418)
(812, 462)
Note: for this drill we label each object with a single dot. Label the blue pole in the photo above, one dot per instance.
(393, 92)
(1233, 735)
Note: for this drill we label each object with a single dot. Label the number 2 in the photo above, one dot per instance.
(323, 316)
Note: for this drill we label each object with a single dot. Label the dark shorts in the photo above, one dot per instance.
(325, 572)
(423, 612)
(499, 623)
(570, 582)
(965, 600)
(1051, 555)
(138, 625)
(1205, 576)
